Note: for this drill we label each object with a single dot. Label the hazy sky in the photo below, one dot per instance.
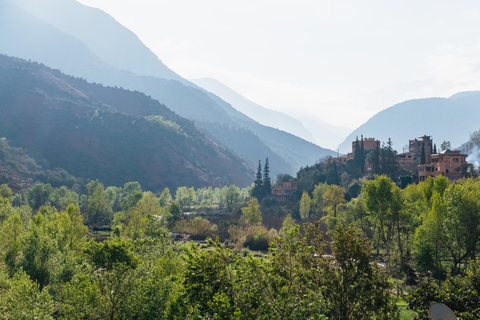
(342, 61)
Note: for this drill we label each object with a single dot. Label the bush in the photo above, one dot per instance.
(253, 237)
(198, 228)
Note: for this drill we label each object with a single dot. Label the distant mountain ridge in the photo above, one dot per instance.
(262, 115)
(87, 130)
(31, 38)
(450, 119)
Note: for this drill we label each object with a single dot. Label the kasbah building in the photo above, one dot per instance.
(450, 164)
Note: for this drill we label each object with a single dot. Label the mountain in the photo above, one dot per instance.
(101, 34)
(327, 135)
(262, 115)
(445, 119)
(87, 130)
(26, 36)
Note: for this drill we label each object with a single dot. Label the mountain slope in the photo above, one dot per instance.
(451, 119)
(187, 100)
(262, 115)
(101, 34)
(88, 134)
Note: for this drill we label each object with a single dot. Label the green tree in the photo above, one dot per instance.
(267, 186)
(97, 210)
(6, 192)
(445, 145)
(21, 298)
(422, 155)
(12, 233)
(257, 190)
(251, 214)
(317, 196)
(39, 195)
(355, 287)
(378, 197)
(334, 199)
(232, 195)
(332, 173)
(305, 204)
(165, 197)
(176, 213)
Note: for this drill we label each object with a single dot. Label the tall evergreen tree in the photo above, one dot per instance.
(356, 154)
(434, 148)
(257, 191)
(267, 186)
(332, 173)
(362, 156)
(388, 160)
(374, 159)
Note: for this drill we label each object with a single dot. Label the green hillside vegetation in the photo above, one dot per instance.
(84, 133)
(359, 258)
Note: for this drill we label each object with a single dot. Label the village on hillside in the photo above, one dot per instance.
(422, 160)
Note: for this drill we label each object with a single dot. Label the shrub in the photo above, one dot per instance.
(253, 237)
(198, 228)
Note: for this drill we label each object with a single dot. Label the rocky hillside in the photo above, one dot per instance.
(87, 130)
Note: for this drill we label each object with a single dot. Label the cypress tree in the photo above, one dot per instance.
(332, 173)
(257, 191)
(434, 148)
(362, 156)
(356, 154)
(375, 160)
(267, 186)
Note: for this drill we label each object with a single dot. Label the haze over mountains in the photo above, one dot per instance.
(70, 38)
(307, 127)
(451, 119)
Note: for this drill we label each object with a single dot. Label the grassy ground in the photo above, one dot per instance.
(404, 313)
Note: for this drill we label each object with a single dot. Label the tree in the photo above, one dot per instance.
(267, 186)
(113, 264)
(176, 213)
(374, 160)
(12, 233)
(165, 197)
(257, 190)
(71, 233)
(6, 192)
(422, 155)
(460, 294)
(251, 214)
(355, 287)
(445, 145)
(378, 197)
(305, 204)
(332, 173)
(232, 195)
(388, 160)
(334, 199)
(288, 223)
(362, 156)
(317, 196)
(97, 210)
(356, 154)
(21, 298)
(434, 148)
(39, 195)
